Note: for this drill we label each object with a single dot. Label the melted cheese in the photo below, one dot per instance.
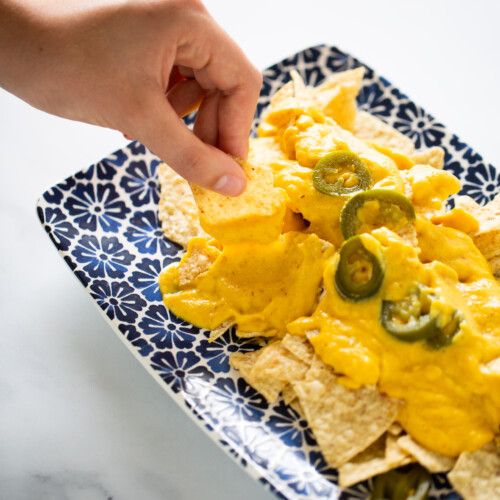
(451, 400)
(451, 394)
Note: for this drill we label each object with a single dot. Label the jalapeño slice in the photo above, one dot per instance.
(341, 173)
(359, 274)
(410, 320)
(445, 335)
(408, 483)
(375, 208)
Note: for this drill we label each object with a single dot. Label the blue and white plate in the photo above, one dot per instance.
(104, 222)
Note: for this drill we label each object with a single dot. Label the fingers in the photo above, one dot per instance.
(185, 96)
(164, 133)
(220, 65)
(206, 123)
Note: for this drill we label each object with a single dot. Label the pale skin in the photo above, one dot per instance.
(137, 66)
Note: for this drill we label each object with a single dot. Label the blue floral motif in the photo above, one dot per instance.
(456, 144)
(118, 158)
(472, 156)
(104, 170)
(56, 194)
(218, 351)
(339, 62)
(134, 337)
(60, 230)
(231, 401)
(145, 278)
(136, 148)
(166, 330)
(286, 423)
(181, 370)
(190, 119)
(84, 279)
(371, 98)
(141, 182)
(482, 182)
(272, 488)
(440, 483)
(317, 460)
(418, 126)
(106, 256)
(290, 62)
(313, 76)
(360, 491)
(302, 478)
(455, 167)
(96, 205)
(117, 299)
(145, 233)
(252, 443)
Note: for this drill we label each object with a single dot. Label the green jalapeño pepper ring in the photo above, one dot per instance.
(410, 320)
(359, 274)
(445, 335)
(341, 173)
(411, 483)
(375, 208)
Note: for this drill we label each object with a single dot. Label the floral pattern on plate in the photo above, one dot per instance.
(104, 222)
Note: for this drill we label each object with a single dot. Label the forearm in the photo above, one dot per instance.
(41, 48)
(21, 39)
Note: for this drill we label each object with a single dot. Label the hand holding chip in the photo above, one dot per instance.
(137, 67)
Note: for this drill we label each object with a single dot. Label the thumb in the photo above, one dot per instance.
(160, 129)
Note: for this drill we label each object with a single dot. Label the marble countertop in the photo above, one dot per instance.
(80, 418)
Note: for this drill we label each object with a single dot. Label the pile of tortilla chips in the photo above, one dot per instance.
(356, 429)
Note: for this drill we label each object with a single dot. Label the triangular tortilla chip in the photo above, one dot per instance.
(344, 421)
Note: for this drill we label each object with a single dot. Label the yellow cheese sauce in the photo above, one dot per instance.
(452, 402)
(451, 393)
(259, 287)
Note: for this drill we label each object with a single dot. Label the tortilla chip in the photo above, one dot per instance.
(376, 459)
(468, 204)
(197, 260)
(300, 90)
(433, 156)
(487, 237)
(278, 363)
(290, 398)
(372, 129)
(253, 335)
(177, 210)
(270, 369)
(221, 330)
(244, 362)
(394, 455)
(344, 421)
(336, 97)
(300, 347)
(288, 103)
(289, 394)
(476, 475)
(433, 462)
(395, 429)
(255, 215)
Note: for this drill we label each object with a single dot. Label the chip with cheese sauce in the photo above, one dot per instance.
(398, 314)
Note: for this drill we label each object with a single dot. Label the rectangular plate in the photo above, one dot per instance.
(104, 222)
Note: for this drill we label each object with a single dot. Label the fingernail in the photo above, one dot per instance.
(229, 185)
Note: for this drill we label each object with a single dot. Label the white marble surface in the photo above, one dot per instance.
(79, 417)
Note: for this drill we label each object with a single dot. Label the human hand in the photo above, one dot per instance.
(137, 67)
